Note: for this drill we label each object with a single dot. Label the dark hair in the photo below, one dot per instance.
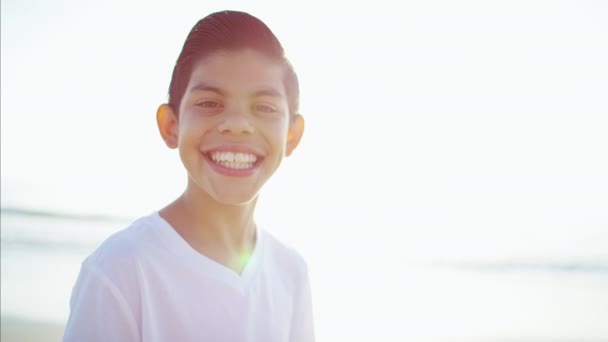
(229, 30)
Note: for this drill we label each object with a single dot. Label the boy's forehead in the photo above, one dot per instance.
(238, 70)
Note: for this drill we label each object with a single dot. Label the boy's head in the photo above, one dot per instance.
(229, 30)
(233, 107)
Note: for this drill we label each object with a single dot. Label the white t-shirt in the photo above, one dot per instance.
(146, 283)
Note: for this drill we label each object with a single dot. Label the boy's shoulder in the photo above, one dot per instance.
(124, 245)
(282, 253)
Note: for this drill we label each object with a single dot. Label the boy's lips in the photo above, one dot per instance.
(234, 160)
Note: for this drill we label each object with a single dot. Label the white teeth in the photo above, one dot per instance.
(234, 160)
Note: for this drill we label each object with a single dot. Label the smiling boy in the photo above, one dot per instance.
(200, 269)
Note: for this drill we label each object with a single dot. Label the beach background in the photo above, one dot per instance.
(451, 184)
(553, 296)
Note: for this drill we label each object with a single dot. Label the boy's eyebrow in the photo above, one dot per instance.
(206, 87)
(268, 92)
(263, 92)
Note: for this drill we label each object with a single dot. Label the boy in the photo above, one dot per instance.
(200, 269)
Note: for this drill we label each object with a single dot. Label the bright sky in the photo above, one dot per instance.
(445, 122)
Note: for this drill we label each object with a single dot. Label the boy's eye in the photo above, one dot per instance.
(209, 104)
(261, 107)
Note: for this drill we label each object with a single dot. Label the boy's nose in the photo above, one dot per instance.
(236, 122)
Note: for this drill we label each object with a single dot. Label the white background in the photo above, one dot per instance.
(435, 130)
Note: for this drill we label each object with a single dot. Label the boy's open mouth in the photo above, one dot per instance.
(233, 160)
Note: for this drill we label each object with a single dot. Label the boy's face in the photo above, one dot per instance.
(234, 125)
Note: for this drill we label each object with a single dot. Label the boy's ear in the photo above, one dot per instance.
(296, 130)
(167, 125)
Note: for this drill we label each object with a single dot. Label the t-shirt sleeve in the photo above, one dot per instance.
(98, 310)
(302, 321)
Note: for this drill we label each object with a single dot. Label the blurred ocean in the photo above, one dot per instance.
(456, 297)
(41, 256)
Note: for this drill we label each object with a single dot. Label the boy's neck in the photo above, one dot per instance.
(224, 233)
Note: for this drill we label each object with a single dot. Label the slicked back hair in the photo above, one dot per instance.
(229, 30)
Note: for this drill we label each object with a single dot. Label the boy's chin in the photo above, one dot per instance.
(235, 199)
